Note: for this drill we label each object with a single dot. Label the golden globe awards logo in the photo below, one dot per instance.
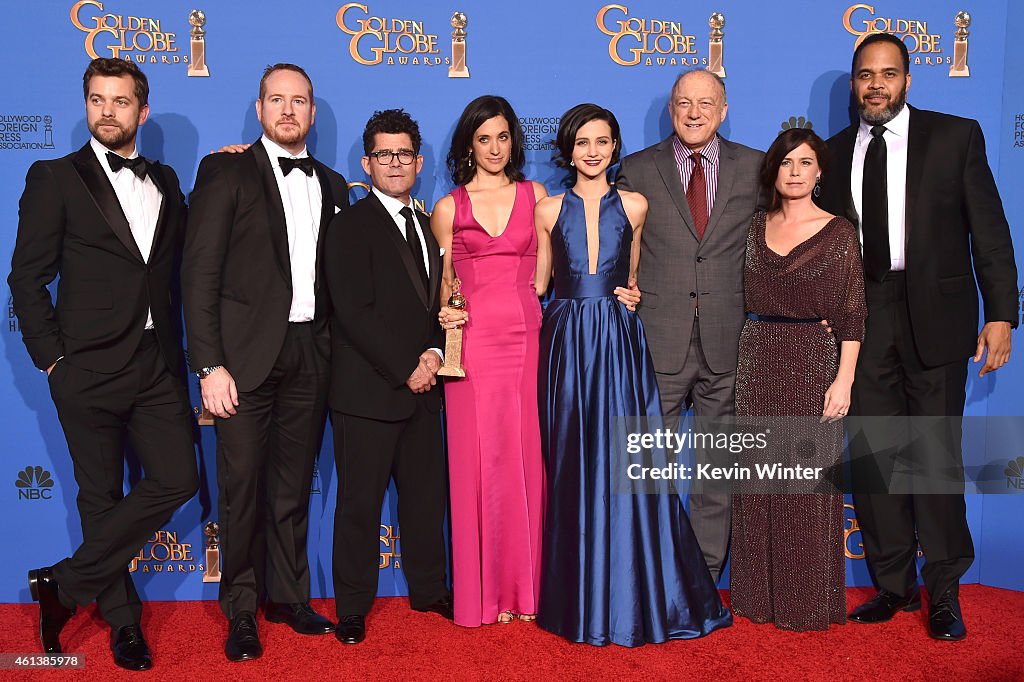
(386, 40)
(852, 545)
(143, 40)
(390, 554)
(648, 42)
(163, 553)
(924, 46)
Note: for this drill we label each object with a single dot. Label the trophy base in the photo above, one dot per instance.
(203, 71)
(458, 73)
(447, 371)
(954, 72)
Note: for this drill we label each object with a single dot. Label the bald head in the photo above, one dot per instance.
(697, 107)
(698, 74)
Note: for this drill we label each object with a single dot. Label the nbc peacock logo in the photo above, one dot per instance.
(1015, 474)
(34, 483)
(796, 122)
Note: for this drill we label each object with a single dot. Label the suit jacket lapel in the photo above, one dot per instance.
(278, 224)
(726, 176)
(665, 160)
(391, 230)
(434, 258)
(844, 167)
(917, 147)
(96, 181)
(326, 216)
(157, 176)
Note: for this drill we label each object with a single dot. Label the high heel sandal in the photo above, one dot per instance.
(528, 617)
(506, 617)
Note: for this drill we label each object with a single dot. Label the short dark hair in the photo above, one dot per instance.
(787, 141)
(107, 66)
(283, 67)
(393, 122)
(569, 127)
(873, 38)
(473, 116)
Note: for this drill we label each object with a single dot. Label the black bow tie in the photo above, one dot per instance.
(138, 165)
(304, 164)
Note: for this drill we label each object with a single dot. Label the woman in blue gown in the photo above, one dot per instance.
(618, 567)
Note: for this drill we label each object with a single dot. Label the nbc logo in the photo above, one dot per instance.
(1015, 473)
(34, 483)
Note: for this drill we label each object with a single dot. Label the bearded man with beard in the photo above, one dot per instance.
(110, 223)
(256, 316)
(918, 185)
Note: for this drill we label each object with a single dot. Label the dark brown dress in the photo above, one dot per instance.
(787, 539)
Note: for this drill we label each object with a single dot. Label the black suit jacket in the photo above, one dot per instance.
(236, 275)
(955, 230)
(71, 224)
(383, 317)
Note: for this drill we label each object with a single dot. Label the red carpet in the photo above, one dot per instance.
(187, 639)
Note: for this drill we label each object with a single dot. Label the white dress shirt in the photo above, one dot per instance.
(140, 200)
(394, 208)
(302, 200)
(895, 136)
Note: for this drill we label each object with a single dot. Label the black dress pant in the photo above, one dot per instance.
(368, 452)
(265, 458)
(907, 469)
(145, 405)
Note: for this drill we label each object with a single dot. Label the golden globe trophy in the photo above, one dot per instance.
(959, 68)
(211, 574)
(452, 366)
(197, 62)
(716, 21)
(458, 68)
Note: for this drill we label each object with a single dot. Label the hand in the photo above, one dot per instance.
(629, 297)
(432, 360)
(233, 148)
(837, 401)
(450, 318)
(827, 325)
(219, 393)
(422, 378)
(996, 337)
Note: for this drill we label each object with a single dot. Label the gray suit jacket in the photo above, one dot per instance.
(678, 272)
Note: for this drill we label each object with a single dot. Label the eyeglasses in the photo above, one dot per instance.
(384, 156)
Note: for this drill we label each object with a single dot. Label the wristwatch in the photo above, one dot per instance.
(207, 371)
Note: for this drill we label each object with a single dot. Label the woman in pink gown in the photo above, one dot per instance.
(485, 227)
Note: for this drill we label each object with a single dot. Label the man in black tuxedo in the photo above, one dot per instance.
(385, 283)
(256, 316)
(110, 223)
(919, 186)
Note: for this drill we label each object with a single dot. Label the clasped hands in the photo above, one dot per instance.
(424, 377)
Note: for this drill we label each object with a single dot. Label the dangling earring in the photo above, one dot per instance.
(469, 161)
(817, 188)
(572, 163)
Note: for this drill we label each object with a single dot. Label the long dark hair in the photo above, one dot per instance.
(569, 126)
(787, 141)
(475, 114)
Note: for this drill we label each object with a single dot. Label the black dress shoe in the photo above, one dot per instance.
(884, 605)
(130, 649)
(945, 620)
(299, 617)
(442, 607)
(351, 629)
(53, 615)
(243, 638)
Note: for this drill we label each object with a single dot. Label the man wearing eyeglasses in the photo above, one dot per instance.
(384, 280)
(256, 312)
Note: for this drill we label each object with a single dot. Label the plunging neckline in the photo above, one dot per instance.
(508, 222)
(600, 203)
(798, 246)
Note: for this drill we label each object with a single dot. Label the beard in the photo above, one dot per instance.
(879, 117)
(113, 137)
(286, 136)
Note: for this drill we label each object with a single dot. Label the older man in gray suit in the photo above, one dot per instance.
(702, 191)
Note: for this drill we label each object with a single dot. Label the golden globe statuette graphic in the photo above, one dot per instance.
(197, 63)
(211, 574)
(452, 366)
(959, 69)
(716, 21)
(458, 69)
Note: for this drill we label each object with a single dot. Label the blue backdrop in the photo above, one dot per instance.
(784, 67)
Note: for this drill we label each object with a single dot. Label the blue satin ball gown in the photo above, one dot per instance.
(618, 568)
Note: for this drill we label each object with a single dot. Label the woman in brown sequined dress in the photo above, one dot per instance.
(803, 265)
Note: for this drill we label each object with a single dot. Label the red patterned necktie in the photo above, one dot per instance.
(696, 195)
